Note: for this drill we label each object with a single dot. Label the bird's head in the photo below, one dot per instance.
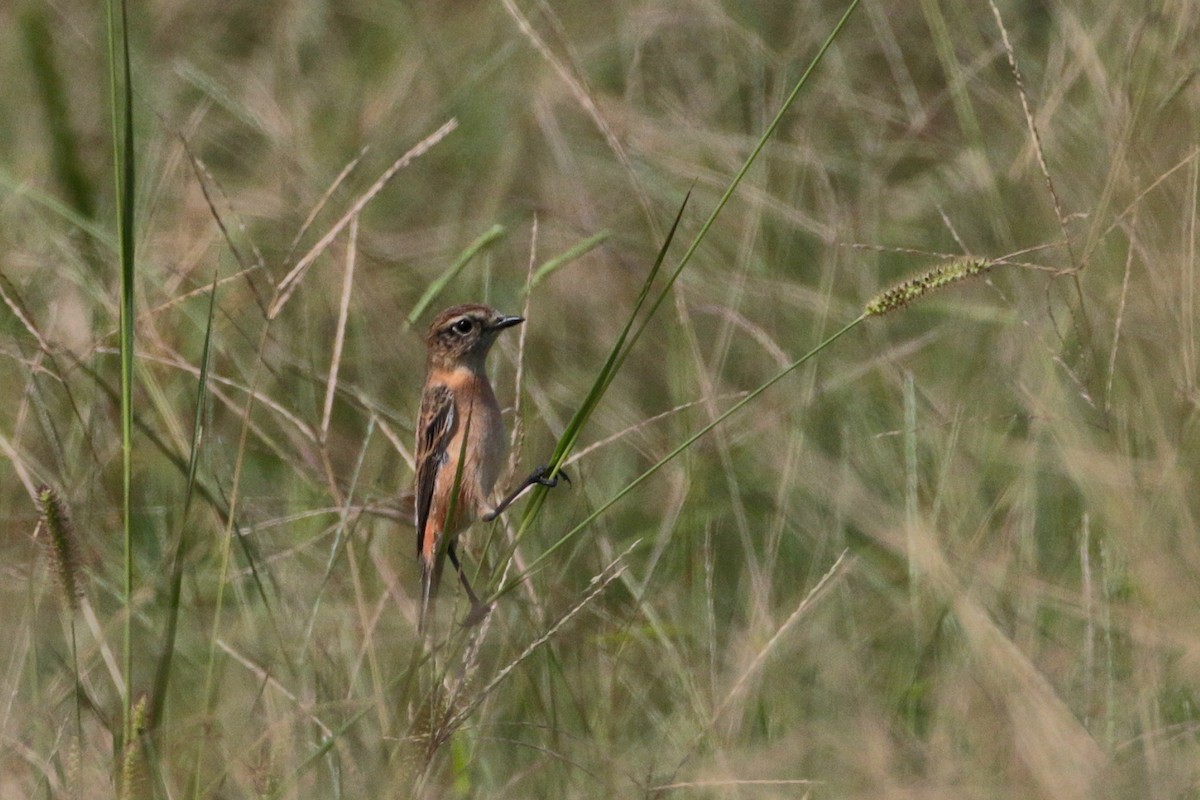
(461, 336)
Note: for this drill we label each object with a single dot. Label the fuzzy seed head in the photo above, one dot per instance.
(133, 768)
(61, 544)
(915, 288)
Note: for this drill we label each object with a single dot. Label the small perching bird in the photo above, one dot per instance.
(461, 443)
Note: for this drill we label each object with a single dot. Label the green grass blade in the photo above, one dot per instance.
(489, 237)
(750, 159)
(95, 232)
(567, 441)
(604, 378)
(68, 167)
(121, 104)
(738, 406)
(560, 261)
(345, 529)
(163, 673)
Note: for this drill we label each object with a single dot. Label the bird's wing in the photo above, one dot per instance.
(435, 430)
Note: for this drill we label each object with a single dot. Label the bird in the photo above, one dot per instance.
(460, 444)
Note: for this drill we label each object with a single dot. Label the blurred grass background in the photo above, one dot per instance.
(1008, 467)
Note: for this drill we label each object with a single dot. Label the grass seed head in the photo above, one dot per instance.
(917, 287)
(61, 545)
(133, 767)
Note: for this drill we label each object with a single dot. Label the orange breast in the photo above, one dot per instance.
(477, 415)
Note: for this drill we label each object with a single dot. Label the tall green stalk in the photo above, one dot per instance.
(630, 335)
(121, 102)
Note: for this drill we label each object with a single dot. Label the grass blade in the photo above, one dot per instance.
(475, 248)
(121, 104)
(572, 253)
(604, 378)
(67, 163)
(163, 673)
(617, 357)
(738, 406)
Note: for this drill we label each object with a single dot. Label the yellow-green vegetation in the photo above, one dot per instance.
(810, 548)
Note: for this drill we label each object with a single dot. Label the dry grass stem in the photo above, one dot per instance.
(1034, 136)
(339, 339)
(599, 583)
(840, 565)
(283, 291)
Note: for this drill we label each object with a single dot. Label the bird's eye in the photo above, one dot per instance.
(463, 327)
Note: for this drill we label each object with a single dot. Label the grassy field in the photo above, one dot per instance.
(954, 554)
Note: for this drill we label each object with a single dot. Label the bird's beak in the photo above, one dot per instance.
(506, 322)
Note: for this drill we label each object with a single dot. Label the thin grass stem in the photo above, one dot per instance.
(684, 445)
(121, 106)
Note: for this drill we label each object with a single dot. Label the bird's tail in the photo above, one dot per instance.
(430, 578)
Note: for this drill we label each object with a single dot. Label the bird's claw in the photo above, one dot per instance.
(536, 478)
(539, 477)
